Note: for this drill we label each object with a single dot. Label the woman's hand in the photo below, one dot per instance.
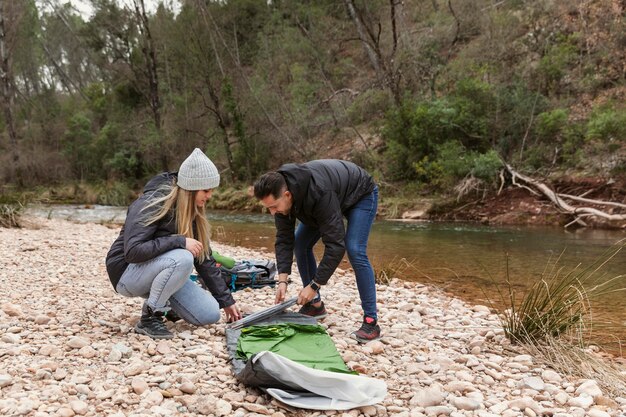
(232, 313)
(193, 246)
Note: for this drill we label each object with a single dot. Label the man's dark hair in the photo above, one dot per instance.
(271, 183)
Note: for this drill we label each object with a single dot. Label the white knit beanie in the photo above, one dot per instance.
(197, 172)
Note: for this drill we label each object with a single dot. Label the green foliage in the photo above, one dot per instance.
(556, 61)
(607, 124)
(486, 165)
(551, 124)
(436, 141)
(77, 145)
(369, 105)
(114, 194)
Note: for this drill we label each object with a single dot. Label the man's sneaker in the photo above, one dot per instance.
(151, 324)
(369, 331)
(316, 312)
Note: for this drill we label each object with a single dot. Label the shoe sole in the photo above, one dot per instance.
(363, 341)
(154, 336)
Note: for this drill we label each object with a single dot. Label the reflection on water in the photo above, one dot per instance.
(465, 260)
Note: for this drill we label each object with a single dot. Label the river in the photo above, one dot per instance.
(467, 260)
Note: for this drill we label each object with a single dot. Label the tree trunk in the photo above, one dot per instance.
(6, 85)
(154, 98)
(361, 30)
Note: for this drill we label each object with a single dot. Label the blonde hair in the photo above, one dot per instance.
(172, 197)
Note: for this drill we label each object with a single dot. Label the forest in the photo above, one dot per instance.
(433, 97)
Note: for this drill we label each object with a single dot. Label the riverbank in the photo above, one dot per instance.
(67, 346)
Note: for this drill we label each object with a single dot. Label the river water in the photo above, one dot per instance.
(467, 260)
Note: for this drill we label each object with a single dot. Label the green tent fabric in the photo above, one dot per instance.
(226, 261)
(308, 345)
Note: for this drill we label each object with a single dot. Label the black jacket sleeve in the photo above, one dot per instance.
(285, 230)
(327, 211)
(211, 276)
(140, 242)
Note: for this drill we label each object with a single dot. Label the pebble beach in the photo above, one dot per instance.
(67, 346)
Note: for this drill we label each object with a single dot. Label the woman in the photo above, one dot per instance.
(164, 236)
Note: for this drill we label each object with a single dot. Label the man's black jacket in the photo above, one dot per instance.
(139, 243)
(322, 191)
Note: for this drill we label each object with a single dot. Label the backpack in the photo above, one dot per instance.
(249, 274)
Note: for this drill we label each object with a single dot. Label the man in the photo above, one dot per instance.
(320, 194)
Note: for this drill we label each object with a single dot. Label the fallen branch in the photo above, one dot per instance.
(558, 199)
(588, 200)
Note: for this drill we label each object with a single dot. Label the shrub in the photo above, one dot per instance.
(486, 165)
(371, 104)
(551, 124)
(607, 124)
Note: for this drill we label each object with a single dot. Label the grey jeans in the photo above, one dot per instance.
(166, 279)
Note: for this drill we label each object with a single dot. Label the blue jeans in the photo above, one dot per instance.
(360, 218)
(165, 280)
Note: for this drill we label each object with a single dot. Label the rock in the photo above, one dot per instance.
(139, 385)
(12, 310)
(582, 401)
(590, 388)
(10, 338)
(524, 403)
(523, 359)
(414, 215)
(79, 407)
(222, 408)
(376, 346)
(533, 383)
(551, 376)
(114, 356)
(77, 342)
(87, 352)
(596, 412)
(123, 349)
(427, 397)
(187, 388)
(42, 319)
(460, 387)
(134, 368)
(5, 380)
(154, 398)
(65, 412)
(163, 347)
(464, 403)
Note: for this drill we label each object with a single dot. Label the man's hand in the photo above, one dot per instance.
(193, 246)
(232, 313)
(306, 294)
(281, 289)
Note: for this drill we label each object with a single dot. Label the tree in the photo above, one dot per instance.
(6, 79)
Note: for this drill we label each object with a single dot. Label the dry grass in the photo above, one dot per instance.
(10, 215)
(400, 268)
(560, 302)
(568, 358)
(553, 320)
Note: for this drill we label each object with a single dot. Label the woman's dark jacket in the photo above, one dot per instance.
(323, 191)
(139, 243)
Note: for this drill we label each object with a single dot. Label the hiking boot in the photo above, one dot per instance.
(316, 312)
(369, 331)
(151, 324)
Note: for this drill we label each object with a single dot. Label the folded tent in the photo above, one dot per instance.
(293, 359)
